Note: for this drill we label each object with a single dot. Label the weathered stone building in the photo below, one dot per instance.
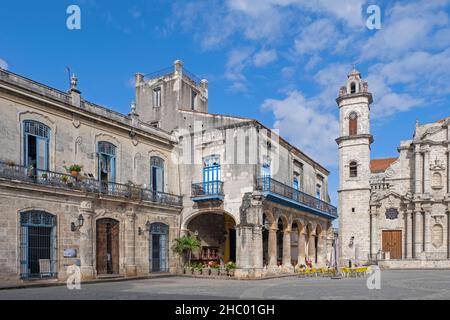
(166, 169)
(393, 211)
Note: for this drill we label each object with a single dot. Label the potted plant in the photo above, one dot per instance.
(10, 163)
(74, 169)
(64, 179)
(188, 270)
(197, 268)
(222, 270)
(30, 170)
(231, 267)
(184, 247)
(214, 268)
(205, 270)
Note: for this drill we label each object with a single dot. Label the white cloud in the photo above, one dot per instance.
(407, 26)
(307, 127)
(264, 57)
(3, 64)
(315, 37)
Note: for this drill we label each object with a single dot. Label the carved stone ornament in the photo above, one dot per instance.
(391, 213)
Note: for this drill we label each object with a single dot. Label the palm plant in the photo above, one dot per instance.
(185, 246)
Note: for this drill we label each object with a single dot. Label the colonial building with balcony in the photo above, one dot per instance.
(115, 217)
(83, 185)
(248, 194)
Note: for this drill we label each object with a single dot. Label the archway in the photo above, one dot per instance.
(107, 246)
(217, 234)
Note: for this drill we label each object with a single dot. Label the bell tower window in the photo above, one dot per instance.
(353, 87)
(353, 124)
(353, 169)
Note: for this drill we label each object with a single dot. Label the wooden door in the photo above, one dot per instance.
(115, 247)
(392, 242)
(101, 245)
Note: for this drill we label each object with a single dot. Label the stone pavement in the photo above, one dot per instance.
(398, 284)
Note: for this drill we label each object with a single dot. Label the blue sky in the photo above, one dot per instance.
(280, 61)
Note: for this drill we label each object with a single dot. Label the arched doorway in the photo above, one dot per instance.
(217, 234)
(107, 246)
(159, 247)
(37, 244)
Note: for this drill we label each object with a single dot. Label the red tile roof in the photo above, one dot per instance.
(380, 165)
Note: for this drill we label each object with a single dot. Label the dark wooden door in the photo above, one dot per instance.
(107, 246)
(101, 245)
(392, 242)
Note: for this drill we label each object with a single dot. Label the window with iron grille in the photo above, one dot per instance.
(37, 244)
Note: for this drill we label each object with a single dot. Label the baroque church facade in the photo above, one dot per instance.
(168, 168)
(393, 211)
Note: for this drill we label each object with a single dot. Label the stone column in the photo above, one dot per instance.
(448, 233)
(87, 241)
(249, 246)
(448, 169)
(374, 232)
(426, 231)
(301, 248)
(321, 253)
(130, 244)
(287, 265)
(417, 235)
(311, 248)
(426, 175)
(272, 247)
(408, 238)
(418, 171)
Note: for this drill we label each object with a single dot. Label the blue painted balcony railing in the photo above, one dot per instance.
(284, 194)
(211, 190)
(81, 183)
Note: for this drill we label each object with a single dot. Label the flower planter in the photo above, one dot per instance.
(74, 173)
(188, 271)
(197, 272)
(215, 272)
(205, 271)
(223, 272)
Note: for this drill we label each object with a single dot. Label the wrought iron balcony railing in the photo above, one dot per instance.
(267, 184)
(207, 190)
(66, 181)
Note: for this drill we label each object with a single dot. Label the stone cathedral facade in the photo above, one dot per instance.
(167, 168)
(393, 211)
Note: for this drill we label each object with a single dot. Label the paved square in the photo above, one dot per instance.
(425, 284)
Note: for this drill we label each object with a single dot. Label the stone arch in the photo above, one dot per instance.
(197, 213)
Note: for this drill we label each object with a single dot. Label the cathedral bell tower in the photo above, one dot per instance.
(354, 169)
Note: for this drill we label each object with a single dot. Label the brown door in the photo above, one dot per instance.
(107, 246)
(392, 242)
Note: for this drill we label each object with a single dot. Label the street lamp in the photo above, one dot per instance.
(80, 222)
